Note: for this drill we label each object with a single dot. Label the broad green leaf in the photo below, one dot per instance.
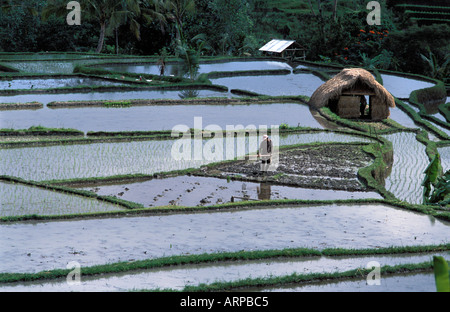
(434, 169)
(441, 274)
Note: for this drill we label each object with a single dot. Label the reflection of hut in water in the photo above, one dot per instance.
(345, 95)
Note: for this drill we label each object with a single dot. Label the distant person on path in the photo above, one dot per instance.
(162, 67)
(265, 153)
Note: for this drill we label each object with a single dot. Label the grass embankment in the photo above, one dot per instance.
(225, 257)
(299, 279)
(249, 99)
(435, 96)
(7, 69)
(420, 121)
(21, 106)
(41, 131)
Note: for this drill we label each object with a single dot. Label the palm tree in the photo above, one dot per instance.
(312, 9)
(335, 2)
(131, 12)
(178, 10)
(109, 14)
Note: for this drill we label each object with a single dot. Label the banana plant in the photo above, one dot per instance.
(432, 173)
(437, 70)
(441, 192)
(441, 274)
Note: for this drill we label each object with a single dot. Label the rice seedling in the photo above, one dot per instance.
(20, 200)
(108, 159)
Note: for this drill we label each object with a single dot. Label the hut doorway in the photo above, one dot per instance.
(355, 104)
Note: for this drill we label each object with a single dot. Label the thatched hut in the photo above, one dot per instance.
(345, 95)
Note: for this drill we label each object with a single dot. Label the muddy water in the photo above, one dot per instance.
(410, 161)
(19, 200)
(201, 191)
(175, 69)
(26, 248)
(48, 83)
(160, 117)
(189, 275)
(293, 84)
(108, 159)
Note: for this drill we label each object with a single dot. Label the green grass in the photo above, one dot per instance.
(297, 279)
(128, 266)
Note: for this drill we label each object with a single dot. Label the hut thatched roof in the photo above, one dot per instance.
(347, 80)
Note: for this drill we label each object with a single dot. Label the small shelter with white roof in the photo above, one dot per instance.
(283, 48)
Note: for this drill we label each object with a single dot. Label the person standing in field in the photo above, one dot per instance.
(265, 153)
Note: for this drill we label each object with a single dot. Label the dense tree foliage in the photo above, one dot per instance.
(331, 30)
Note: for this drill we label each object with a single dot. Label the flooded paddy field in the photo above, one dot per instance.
(160, 117)
(174, 69)
(402, 87)
(122, 95)
(47, 64)
(410, 162)
(320, 176)
(163, 228)
(420, 282)
(102, 241)
(402, 118)
(108, 159)
(292, 84)
(50, 83)
(20, 200)
(203, 191)
(177, 278)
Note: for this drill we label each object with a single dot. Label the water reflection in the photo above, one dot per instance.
(176, 69)
(188, 94)
(264, 191)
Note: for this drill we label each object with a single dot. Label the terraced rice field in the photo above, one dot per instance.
(114, 235)
(402, 87)
(157, 117)
(108, 159)
(122, 95)
(292, 84)
(410, 162)
(174, 69)
(102, 241)
(192, 275)
(204, 191)
(21, 200)
(49, 83)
